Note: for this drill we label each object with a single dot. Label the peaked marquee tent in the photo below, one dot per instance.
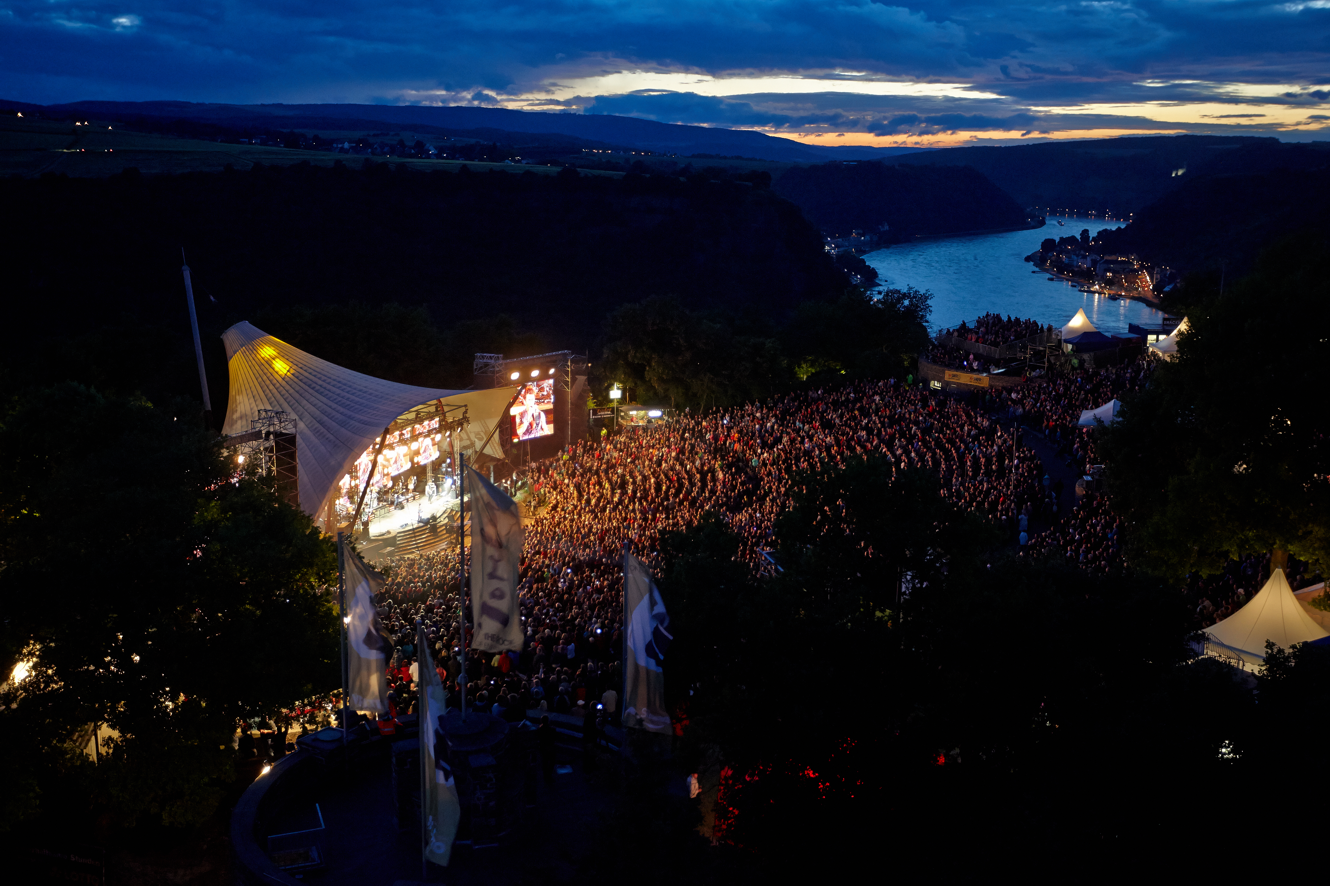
(1077, 325)
(1273, 614)
(1167, 347)
(1108, 413)
(338, 412)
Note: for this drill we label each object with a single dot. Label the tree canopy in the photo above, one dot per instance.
(1225, 453)
(147, 588)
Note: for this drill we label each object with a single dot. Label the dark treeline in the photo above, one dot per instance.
(94, 267)
(1118, 175)
(910, 201)
(1224, 222)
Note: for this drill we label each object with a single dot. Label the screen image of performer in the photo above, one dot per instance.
(529, 419)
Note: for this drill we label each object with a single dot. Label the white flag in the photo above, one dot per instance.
(496, 553)
(438, 802)
(645, 640)
(368, 643)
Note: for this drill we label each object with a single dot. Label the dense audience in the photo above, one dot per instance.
(996, 330)
(595, 499)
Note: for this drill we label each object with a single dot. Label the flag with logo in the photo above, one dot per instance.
(496, 553)
(368, 644)
(440, 808)
(646, 637)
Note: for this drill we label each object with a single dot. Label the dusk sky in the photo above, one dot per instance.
(839, 72)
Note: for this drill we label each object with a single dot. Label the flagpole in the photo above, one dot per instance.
(425, 725)
(461, 571)
(341, 618)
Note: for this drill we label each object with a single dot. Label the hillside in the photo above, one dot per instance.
(101, 257)
(1226, 220)
(1122, 175)
(629, 132)
(911, 200)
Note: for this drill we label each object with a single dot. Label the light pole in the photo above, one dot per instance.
(616, 394)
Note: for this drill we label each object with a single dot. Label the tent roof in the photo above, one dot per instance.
(1076, 325)
(1168, 346)
(338, 412)
(1108, 413)
(1273, 614)
(1094, 336)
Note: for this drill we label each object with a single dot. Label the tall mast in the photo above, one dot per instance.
(198, 348)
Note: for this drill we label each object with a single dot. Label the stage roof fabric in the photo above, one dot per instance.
(1108, 413)
(338, 412)
(1077, 325)
(1273, 614)
(1168, 347)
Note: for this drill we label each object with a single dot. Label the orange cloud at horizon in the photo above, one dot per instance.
(955, 139)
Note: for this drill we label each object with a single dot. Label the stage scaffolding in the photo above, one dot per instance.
(269, 450)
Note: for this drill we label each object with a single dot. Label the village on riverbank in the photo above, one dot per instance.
(1081, 260)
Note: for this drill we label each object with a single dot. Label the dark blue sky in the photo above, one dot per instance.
(846, 71)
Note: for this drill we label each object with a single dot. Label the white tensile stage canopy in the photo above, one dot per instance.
(1168, 347)
(338, 413)
(1273, 614)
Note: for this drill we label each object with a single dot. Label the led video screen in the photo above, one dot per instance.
(533, 413)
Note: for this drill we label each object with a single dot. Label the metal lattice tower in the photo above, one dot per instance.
(489, 364)
(271, 451)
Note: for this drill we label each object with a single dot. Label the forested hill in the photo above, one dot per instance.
(94, 267)
(911, 200)
(1118, 175)
(1226, 220)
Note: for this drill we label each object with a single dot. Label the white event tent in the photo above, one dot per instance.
(1168, 347)
(1108, 413)
(1077, 325)
(338, 412)
(1273, 614)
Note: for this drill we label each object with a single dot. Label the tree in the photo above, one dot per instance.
(860, 336)
(1224, 454)
(866, 681)
(664, 352)
(151, 590)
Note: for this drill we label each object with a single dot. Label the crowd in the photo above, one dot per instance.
(596, 498)
(996, 330)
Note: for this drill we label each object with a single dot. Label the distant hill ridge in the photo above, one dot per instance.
(632, 132)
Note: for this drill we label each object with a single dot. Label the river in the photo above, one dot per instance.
(984, 273)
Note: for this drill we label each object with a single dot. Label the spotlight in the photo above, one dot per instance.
(535, 372)
(514, 376)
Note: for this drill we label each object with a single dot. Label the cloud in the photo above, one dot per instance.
(705, 110)
(1161, 64)
(915, 124)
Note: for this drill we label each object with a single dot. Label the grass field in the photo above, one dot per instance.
(31, 147)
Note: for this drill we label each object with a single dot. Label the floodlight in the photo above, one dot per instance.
(535, 372)
(514, 376)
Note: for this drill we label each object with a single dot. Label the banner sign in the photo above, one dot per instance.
(496, 553)
(966, 378)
